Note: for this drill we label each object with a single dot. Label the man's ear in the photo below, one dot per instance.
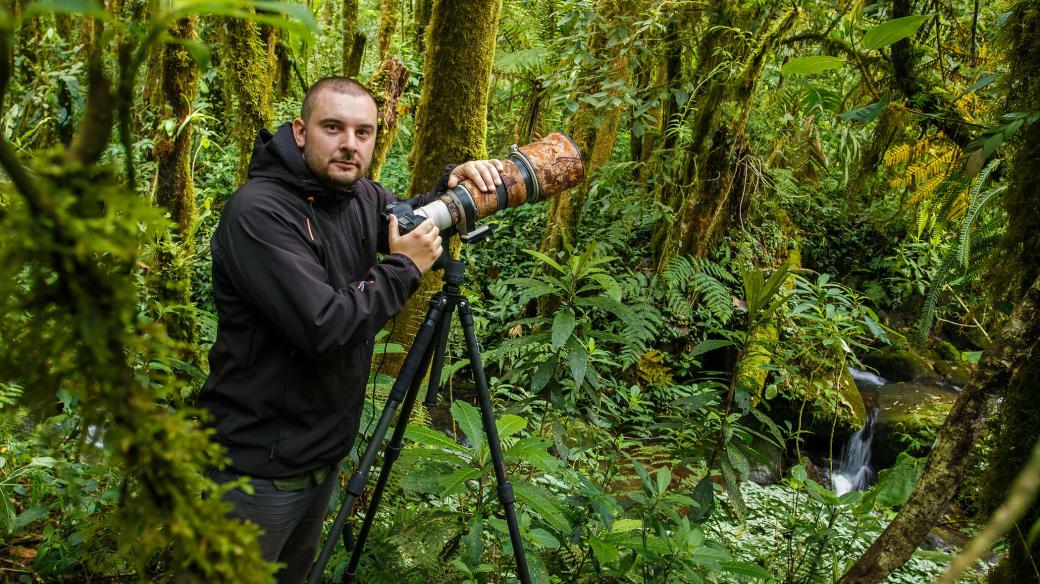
(299, 132)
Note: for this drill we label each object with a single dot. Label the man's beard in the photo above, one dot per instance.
(319, 167)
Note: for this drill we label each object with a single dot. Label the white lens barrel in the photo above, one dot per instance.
(437, 212)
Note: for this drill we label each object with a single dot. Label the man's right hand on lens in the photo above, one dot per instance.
(422, 245)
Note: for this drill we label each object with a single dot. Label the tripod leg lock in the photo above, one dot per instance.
(505, 494)
(356, 484)
(391, 454)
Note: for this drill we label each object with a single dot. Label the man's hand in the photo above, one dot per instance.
(483, 173)
(422, 245)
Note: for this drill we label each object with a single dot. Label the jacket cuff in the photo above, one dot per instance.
(413, 271)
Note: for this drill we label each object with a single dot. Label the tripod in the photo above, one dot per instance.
(430, 343)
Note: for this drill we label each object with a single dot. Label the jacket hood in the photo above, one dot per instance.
(277, 156)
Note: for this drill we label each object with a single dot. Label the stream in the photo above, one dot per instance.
(854, 471)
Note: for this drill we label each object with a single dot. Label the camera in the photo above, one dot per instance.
(540, 169)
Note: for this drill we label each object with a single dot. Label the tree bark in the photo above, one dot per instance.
(1019, 411)
(174, 189)
(712, 183)
(451, 118)
(389, 16)
(250, 52)
(593, 129)
(904, 66)
(949, 456)
(350, 32)
(386, 86)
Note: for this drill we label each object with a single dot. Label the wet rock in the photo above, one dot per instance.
(911, 415)
(897, 364)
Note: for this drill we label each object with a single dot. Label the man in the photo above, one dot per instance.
(300, 294)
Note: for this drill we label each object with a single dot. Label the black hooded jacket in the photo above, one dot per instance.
(300, 296)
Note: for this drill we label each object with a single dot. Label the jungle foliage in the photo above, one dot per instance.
(777, 195)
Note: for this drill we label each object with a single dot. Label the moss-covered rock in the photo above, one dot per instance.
(899, 364)
(911, 415)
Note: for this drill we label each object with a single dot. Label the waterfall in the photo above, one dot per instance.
(854, 472)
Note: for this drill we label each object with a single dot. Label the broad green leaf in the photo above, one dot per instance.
(533, 450)
(468, 418)
(577, 360)
(609, 285)
(543, 538)
(456, 481)
(45, 461)
(623, 525)
(78, 7)
(811, 65)
(893, 31)
(474, 540)
(709, 345)
(746, 569)
(430, 437)
(867, 113)
(604, 550)
(546, 260)
(28, 516)
(543, 374)
(562, 327)
(509, 425)
(664, 478)
(538, 501)
(704, 497)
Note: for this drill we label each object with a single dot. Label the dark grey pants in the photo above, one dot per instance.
(291, 520)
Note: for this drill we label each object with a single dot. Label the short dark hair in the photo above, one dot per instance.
(336, 83)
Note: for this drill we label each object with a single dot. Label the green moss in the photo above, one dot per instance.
(911, 415)
(451, 118)
(899, 364)
(248, 76)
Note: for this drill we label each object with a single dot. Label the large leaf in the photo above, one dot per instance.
(704, 497)
(893, 31)
(78, 7)
(577, 360)
(562, 327)
(509, 425)
(456, 481)
(431, 437)
(811, 65)
(538, 501)
(709, 345)
(468, 418)
(867, 113)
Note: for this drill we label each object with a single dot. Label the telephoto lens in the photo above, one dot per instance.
(538, 170)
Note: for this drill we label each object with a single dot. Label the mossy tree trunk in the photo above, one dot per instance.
(389, 17)
(420, 24)
(451, 118)
(712, 179)
(387, 86)
(249, 64)
(174, 189)
(593, 127)
(1019, 412)
(353, 40)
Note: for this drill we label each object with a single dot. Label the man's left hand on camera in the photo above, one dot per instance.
(483, 173)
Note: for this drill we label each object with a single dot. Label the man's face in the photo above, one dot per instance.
(338, 138)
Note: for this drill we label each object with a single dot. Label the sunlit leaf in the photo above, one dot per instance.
(811, 65)
(893, 31)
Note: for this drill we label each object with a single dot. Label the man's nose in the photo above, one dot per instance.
(349, 142)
